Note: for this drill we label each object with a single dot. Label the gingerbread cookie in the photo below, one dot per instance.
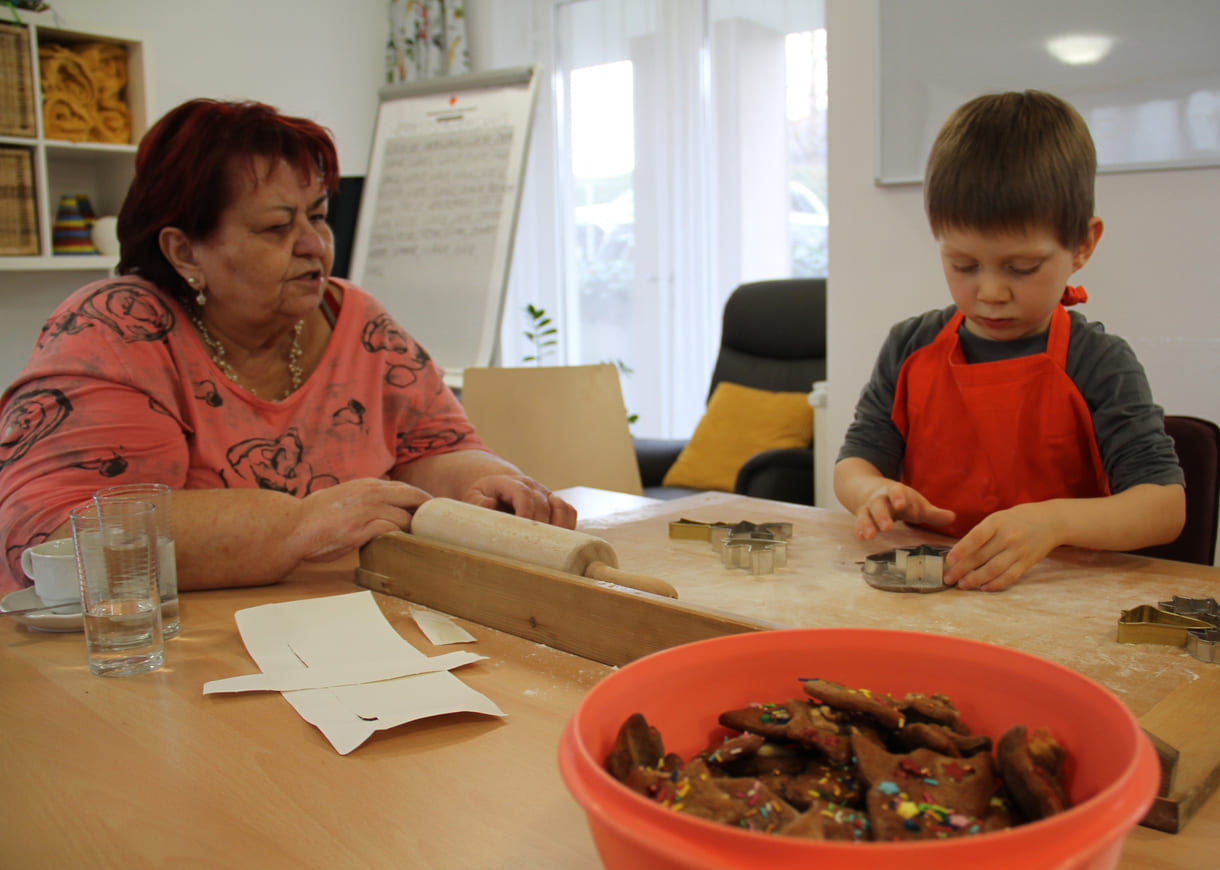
(828, 821)
(796, 721)
(837, 784)
(897, 815)
(734, 750)
(880, 707)
(930, 708)
(965, 785)
(923, 794)
(744, 802)
(942, 739)
(638, 745)
(1032, 769)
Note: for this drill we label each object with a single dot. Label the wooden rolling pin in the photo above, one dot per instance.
(501, 534)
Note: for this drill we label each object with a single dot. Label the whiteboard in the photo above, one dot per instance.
(1152, 101)
(439, 209)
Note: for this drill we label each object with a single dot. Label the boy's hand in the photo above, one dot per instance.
(892, 501)
(998, 551)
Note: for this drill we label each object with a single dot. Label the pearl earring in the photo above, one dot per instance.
(200, 297)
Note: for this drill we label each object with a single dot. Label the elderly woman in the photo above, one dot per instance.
(290, 414)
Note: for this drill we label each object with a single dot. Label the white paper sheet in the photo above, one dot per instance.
(347, 633)
(329, 676)
(439, 628)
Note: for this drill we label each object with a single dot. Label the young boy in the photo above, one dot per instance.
(1003, 419)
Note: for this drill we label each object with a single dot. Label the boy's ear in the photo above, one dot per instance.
(1089, 244)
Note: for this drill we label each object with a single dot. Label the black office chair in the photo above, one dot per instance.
(773, 338)
(1198, 444)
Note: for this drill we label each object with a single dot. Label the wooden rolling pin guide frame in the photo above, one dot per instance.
(596, 620)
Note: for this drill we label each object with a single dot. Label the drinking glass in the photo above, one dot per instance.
(159, 496)
(116, 562)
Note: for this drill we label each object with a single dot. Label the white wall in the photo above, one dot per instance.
(1154, 279)
(320, 59)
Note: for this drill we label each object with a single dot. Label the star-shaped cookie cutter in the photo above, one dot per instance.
(907, 569)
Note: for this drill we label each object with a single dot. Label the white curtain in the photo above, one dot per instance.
(639, 277)
(668, 172)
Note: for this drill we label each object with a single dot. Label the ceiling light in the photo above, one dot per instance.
(1078, 49)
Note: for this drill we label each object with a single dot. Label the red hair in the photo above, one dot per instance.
(184, 175)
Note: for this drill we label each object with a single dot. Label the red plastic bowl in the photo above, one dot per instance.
(1112, 769)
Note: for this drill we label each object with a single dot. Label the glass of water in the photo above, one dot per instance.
(116, 562)
(159, 496)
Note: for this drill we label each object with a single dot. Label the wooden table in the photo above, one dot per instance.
(147, 772)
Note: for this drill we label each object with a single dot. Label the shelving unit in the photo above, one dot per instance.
(102, 171)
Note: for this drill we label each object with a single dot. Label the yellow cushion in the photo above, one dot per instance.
(739, 422)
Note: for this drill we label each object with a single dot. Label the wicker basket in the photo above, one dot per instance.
(18, 209)
(17, 101)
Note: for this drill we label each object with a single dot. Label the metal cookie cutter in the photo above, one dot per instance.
(1193, 623)
(757, 555)
(1202, 643)
(760, 548)
(907, 569)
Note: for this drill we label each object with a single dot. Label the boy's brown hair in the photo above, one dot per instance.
(1005, 162)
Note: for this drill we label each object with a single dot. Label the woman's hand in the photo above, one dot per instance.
(999, 550)
(482, 478)
(523, 496)
(890, 501)
(342, 518)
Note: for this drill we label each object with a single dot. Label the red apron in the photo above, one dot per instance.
(987, 436)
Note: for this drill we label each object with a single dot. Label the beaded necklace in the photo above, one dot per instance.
(217, 352)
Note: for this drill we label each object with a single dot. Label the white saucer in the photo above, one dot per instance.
(48, 620)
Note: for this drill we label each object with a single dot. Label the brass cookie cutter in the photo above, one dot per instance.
(717, 532)
(1193, 623)
(907, 569)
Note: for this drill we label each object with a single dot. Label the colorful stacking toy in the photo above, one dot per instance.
(72, 231)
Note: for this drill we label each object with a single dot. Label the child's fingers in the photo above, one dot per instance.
(966, 555)
(882, 511)
(935, 516)
(866, 527)
(873, 518)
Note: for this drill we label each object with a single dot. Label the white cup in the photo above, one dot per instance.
(52, 567)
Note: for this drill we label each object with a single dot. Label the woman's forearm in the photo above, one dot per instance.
(450, 475)
(231, 537)
(235, 537)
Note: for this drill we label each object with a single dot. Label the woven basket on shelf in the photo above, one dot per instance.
(18, 211)
(83, 92)
(17, 109)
